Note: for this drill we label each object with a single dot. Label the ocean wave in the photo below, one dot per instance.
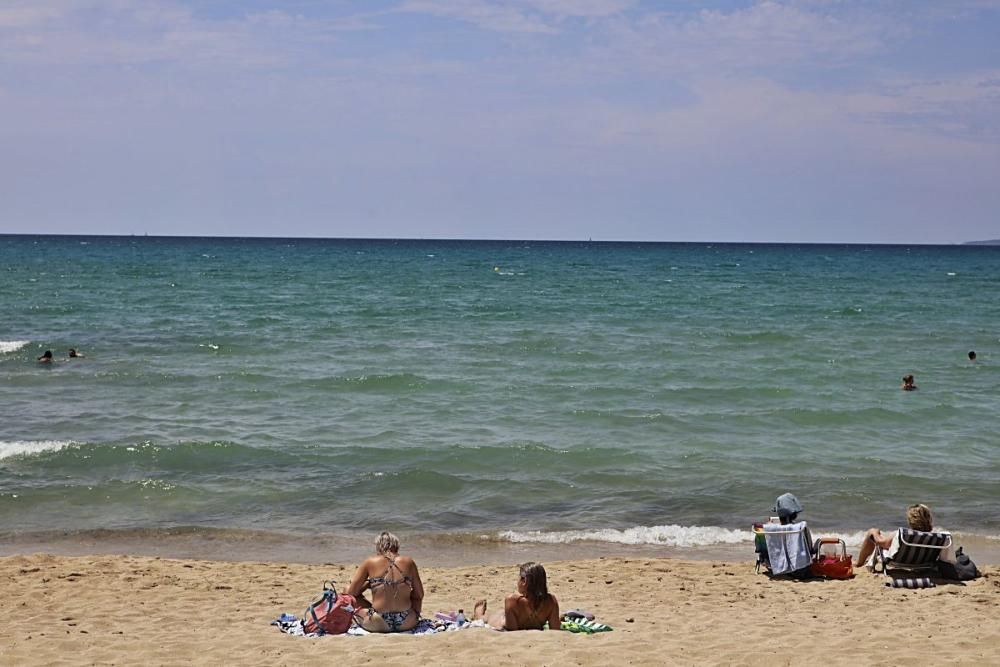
(31, 447)
(8, 346)
(622, 417)
(672, 535)
(850, 539)
(390, 382)
(758, 336)
(827, 417)
(204, 457)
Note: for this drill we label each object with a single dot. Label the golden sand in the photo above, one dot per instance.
(124, 610)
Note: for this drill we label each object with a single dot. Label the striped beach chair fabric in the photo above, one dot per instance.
(910, 582)
(916, 551)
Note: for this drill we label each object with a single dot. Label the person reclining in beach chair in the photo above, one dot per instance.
(786, 547)
(916, 548)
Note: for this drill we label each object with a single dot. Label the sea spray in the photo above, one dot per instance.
(21, 448)
(8, 346)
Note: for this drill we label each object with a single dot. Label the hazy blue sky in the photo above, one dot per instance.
(816, 120)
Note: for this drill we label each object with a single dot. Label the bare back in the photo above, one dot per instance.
(393, 581)
(519, 614)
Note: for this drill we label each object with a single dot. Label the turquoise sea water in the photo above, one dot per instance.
(508, 391)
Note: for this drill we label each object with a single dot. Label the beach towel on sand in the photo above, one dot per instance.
(290, 625)
(583, 626)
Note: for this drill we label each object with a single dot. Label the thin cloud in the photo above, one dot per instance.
(518, 16)
(485, 15)
(571, 108)
(579, 8)
(138, 32)
(965, 107)
(26, 16)
(765, 35)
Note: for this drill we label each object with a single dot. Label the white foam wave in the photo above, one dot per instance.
(8, 346)
(672, 535)
(854, 539)
(850, 539)
(31, 447)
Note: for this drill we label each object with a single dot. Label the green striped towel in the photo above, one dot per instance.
(584, 626)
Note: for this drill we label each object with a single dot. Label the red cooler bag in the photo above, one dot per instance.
(832, 560)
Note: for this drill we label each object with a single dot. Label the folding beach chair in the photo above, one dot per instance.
(787, 549)
(760, 547)
(915, 552)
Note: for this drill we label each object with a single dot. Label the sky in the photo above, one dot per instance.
(760, 121)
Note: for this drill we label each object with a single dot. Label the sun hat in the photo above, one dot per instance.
(787, 505)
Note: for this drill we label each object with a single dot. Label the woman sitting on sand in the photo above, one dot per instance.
(397, 592)
(918, 517)
(529, 608)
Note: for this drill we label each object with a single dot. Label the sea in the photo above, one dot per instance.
(287, 399)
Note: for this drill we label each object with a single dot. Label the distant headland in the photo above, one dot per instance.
(990, 242)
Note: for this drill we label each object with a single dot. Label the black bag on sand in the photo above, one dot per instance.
(963, 569)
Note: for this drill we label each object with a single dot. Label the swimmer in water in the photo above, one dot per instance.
(46, 358)
(908, 383)
(73, 354)
(972, 355)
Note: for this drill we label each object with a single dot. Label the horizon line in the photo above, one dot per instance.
(985, 242)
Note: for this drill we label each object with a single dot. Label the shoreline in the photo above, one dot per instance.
(439, 549)
(147, 610)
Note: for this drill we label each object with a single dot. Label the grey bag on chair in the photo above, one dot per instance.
(963, 569)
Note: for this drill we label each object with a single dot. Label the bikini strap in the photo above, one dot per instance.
(392, 565)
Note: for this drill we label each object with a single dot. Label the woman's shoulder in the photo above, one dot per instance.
(371, 562)
(518, 599)
(405, 563)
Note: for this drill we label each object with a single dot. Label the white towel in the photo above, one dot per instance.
(424, 626)
(787, 547)
(291, 626)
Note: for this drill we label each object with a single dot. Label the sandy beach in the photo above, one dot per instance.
(126, 610)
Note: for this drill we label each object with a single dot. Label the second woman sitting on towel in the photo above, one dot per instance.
(397, 592)
(528, 609)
